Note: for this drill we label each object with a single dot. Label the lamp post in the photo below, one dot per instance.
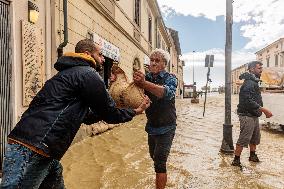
(193, 67)
(227, 142)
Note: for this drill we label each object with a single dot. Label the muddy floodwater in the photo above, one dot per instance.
(119, 159)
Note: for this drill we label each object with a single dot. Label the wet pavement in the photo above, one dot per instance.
(119, 158)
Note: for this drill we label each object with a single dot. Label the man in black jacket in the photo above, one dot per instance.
(250, 108)
(76, 94)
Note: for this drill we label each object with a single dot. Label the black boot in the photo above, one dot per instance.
(253, 157)
(236, 161)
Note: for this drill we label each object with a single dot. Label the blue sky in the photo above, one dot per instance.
(201, 26)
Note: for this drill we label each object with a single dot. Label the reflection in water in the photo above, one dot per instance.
(119, 158)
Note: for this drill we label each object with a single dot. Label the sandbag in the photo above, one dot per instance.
(118, 86)
(125, 94)
(133, 96)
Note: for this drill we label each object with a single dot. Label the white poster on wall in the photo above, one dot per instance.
(108, 49)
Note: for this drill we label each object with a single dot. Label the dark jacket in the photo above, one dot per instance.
(55, 114)
(250, 99)
(162, 111)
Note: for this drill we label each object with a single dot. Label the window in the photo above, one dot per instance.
(150, 29)
(137, 12)
(158, 41)
(276, 60)
(136, 64)
(267, 62)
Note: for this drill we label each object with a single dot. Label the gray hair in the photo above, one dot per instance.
(165, 54)
(253, 64)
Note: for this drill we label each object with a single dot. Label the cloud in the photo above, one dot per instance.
(198, 58)
(208, 9)
(217, 73)
(261, 20)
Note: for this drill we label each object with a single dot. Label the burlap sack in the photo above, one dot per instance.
(118, 86)
(133, 96)
(125, 94)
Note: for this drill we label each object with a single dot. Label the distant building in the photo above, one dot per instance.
(272, 55)
(236, 82)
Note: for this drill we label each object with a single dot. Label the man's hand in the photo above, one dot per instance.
(139, 78)
(267, 113)
(143, 106)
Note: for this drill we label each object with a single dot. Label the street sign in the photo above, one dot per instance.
(209, 59)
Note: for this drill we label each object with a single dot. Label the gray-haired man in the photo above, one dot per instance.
(160, 86)
(249, 109)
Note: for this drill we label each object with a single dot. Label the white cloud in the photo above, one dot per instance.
(238, 57)
(263, 20)
(217, 73)
(210, 9)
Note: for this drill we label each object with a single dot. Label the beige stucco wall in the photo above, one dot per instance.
(83, 17)
(19, 12)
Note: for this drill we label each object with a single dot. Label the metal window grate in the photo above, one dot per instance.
(5, 76)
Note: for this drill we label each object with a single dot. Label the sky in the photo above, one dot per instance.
(201, 26)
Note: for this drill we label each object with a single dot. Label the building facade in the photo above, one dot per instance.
(34, 33)
(272, 55)
(236, 82)
(176, 64)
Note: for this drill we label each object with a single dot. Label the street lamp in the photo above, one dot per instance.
(193, 67)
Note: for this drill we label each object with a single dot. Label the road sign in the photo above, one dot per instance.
(209, 59)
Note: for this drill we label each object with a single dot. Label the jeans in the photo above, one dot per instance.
(159, 148)
(25, 169)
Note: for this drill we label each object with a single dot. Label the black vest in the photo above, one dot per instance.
(161, 112)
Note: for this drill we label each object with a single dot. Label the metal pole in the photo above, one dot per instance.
(193, 67)
(208, 74)
(227, 143)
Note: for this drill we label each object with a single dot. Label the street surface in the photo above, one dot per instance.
(119, 158)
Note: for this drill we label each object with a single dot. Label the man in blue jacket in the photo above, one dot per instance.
(160, 86)
(250, 108)
(75, 95)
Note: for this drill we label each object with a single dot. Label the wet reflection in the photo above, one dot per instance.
(119, 158)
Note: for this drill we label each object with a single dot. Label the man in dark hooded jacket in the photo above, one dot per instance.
(250, 108)
(76, 94)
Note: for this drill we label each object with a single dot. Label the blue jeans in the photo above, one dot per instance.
(25, 169)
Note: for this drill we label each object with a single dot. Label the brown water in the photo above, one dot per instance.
(119, 158)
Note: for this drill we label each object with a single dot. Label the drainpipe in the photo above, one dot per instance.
(62, 45)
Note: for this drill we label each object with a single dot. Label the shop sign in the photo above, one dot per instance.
(108, 49)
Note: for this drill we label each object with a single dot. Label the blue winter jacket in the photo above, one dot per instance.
(76, 94)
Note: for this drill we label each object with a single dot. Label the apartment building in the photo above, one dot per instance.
(176, 65)
(272, 55)
(34, 33)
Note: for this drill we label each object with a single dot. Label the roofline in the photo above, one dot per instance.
(273, 43)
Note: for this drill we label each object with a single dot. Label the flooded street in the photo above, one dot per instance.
(119, 158)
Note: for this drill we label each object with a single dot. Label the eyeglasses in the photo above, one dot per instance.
(157, 60)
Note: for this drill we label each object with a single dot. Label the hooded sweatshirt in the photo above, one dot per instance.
(250, 99)
(55, 114)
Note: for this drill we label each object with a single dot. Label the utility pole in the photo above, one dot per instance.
(227, 143)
